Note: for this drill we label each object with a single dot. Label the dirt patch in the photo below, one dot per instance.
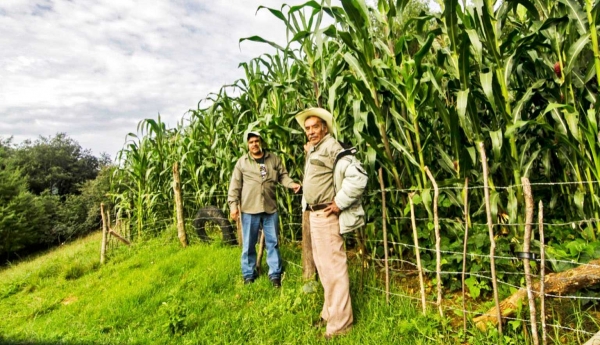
(69, 300)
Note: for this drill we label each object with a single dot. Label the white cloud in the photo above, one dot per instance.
(94, 69)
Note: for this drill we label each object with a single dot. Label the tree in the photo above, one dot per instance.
(19, 213)
(49, 192)
(57, 164)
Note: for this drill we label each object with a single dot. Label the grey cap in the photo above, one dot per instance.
(252, 134)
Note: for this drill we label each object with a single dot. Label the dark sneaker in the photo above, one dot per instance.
(248, 281)
(276, 282)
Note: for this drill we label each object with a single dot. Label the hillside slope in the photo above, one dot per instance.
(160, 293)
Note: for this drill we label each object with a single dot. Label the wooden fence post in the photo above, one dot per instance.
(104, 235)
(488, 212)
(238, 224)
(308, 264)
(179, 205)
(417, 253)
(385, 242)
(109, 243)
(438, 241)
(526, 257)
(542, 272)
(464, 268)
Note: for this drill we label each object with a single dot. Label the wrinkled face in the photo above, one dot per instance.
(315, 129)
(254, 145)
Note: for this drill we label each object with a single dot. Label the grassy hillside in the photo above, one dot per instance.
(159, 293)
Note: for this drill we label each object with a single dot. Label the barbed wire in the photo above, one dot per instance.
(468, 273)
(533, 184)
(474, 312)
(461, 222)
(445, 251)
(591, 298)
(158, 225)
(571, 262)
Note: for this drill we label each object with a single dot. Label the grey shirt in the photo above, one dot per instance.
(249, 190)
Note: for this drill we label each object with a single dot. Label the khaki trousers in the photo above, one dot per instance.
(330, 260)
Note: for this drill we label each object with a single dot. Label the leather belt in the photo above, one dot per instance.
(317, 207)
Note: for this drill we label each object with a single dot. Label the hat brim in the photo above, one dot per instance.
(320, 113)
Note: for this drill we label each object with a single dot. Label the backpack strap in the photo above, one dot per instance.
(346, 152)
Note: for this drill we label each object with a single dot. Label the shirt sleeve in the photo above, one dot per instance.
(282, 174)
(235, 187)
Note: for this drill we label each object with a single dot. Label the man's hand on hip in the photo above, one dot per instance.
(332, 208)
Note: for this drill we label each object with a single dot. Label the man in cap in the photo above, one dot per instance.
(252, 189)
(325, 203)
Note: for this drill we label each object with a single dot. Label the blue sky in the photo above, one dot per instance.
(95, 68)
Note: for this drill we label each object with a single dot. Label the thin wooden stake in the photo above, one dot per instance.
(360, 235)
(104, 233)
(526, 249)
(179, 206)
(488, 211)
(238, 223)
(309, 269)
(119, 237)
(464, 268)
(438, 241)
(108, 218)
(385, 242)
(261, 249)
(109, 222)
(417, 252)
(542, 272)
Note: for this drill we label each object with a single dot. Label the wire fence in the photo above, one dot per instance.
(291, 221)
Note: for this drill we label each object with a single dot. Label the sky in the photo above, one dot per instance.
(95, 68)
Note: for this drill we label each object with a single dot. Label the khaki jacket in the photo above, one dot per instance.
(247, 188)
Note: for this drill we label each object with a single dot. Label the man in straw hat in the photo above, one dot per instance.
(252, 189)
(325, 196)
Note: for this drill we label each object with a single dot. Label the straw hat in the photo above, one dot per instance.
(320, 113)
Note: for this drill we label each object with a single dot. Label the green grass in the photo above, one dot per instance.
(160, 293)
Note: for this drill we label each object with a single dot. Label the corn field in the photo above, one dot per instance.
(410, 89)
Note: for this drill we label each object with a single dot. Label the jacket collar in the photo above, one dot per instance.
(325, 138)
